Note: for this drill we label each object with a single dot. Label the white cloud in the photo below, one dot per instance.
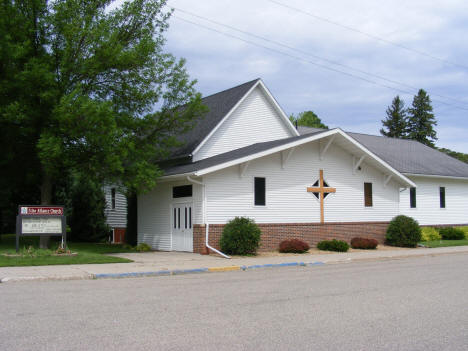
(436, 27)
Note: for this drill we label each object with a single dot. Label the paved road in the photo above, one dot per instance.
(408, 304)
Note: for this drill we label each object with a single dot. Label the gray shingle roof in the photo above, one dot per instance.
(407, 156)
(219, 105)
(231, 155)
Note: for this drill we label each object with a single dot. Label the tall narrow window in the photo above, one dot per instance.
(190, 217)
(259, 192)
(186, 222)
(368, 194)
(413, 197)
(442, 196)
(175, 218)
(113, 198)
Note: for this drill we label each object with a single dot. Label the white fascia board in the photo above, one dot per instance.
(264, 153)
(434, 176)
(278, 108)
(175, 177)
(392, 170)
(224, 118)
(276, 149)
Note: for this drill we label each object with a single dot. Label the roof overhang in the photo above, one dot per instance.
(434, 176)
(343, 140)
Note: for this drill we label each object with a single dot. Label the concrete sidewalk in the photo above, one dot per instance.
(168, 263)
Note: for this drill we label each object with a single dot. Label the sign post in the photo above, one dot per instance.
(41, 221)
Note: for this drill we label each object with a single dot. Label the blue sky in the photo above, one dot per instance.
(437, 28)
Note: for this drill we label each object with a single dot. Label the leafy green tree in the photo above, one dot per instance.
(458, 155)
(421, 120)
(395, 125)
(89, 88)
(307, 119)
(87, 205)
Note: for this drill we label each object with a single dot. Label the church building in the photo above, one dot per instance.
(245, 158)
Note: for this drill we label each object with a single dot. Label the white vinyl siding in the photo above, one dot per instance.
(428, 211)
(255, 120)
(287, 199)
(115, 218)
(155, 214)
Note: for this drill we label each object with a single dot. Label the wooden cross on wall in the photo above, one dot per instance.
(322, 190)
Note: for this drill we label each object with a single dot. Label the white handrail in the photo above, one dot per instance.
(207, 226)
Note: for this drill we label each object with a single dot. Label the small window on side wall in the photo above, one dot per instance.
(368, 195)
(259, 191)
(442, 196)
(413, 197)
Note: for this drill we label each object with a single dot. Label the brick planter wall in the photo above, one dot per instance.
(312, 233)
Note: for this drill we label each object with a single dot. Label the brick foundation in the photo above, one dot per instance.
(312, 233)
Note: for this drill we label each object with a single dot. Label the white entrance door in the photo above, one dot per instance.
(182, 232)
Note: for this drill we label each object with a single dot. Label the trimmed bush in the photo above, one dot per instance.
(293, 246)
(364, 243)
(430, 234)
(143, 247)
(333, 245)
(403, 231)
(241, 236)
(450, 233)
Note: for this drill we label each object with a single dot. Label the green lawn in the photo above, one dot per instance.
(445, 243)
(86, 253)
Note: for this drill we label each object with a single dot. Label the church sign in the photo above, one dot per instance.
(40, 221)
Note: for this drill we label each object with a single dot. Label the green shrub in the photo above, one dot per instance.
(333, 245)
(143, 247)
(403, 231)
(293, 246)
(430, 234)
(241, 236)
(450, 233)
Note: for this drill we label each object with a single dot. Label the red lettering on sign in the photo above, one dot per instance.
(41, 211)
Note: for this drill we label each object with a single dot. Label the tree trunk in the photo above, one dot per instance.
(46, 199)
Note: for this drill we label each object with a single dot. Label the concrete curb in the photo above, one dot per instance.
(45, 278)
(202, 270)
(160, 273)
(217, 269)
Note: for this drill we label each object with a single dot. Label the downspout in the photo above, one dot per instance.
(207, 226)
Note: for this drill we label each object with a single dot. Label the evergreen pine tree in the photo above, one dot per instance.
(421, 120)
(395, 125)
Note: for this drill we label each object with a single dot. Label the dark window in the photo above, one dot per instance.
(175, 218)
(413, 197)
(259, 191)
(182, 191)
(186, 222)
(113, 198)
(316, 185)
(178, 218)
(368, 194)
(190, 217)
(442, 196)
